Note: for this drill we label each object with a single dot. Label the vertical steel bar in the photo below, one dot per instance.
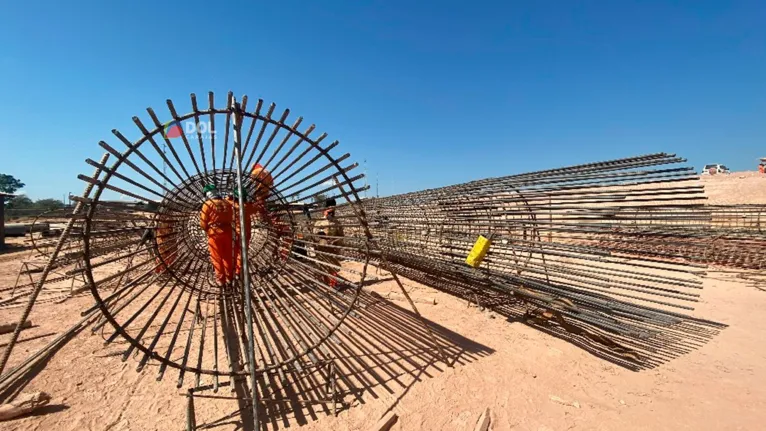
(245, 271)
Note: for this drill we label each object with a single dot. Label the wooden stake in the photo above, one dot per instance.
(23, 404)
(484, 420)
(386, 422)
(10, 327)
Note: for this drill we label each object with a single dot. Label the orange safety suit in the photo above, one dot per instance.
(216, 220)
(285, 237)
(165, 246)
(251, 209)
(264, 181)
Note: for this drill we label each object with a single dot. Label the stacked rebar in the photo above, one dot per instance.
(562, 244)
(735, 237)
(66, 278)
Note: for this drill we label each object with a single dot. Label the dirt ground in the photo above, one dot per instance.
(735, 188)
(529, 380)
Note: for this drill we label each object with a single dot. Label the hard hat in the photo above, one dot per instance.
(261, 175)
(263, 179)
(209, 188)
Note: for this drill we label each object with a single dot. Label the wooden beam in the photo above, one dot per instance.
(23, 404)
(484, 420)
(386, 422)
(10, 327)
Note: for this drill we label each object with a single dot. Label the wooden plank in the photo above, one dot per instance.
(386, 422)
(10, 327)
(398, 297)
(484, 420)
(23, 404)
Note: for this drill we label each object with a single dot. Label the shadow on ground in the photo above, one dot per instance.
(381, 350)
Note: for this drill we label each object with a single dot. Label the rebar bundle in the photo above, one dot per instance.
(66, 278)
(735, 237)
(562, 243)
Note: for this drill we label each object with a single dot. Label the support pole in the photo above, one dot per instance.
(191, 417)
(388, 268)
(51, 260)
(245, 270)
(333, 378)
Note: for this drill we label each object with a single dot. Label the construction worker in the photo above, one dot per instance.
(216, 219)
(761, 168)
(251, 210)
(329, 230)
(232, 200)
(303, 228)
(165, 244)
(263, 183)
(252, 207)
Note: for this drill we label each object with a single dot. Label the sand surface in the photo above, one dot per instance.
(529, 380)
(735, 188)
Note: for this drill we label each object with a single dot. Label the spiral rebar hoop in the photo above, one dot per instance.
(171, 306)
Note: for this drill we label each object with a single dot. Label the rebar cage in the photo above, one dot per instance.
(298, 295)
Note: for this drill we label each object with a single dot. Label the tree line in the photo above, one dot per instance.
(9, 184)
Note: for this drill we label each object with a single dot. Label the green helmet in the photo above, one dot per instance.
(235, 192)
(209, 188)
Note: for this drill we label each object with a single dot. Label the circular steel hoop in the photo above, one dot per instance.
(291, 289)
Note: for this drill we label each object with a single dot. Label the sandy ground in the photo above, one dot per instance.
(735, 188)
(529, 380)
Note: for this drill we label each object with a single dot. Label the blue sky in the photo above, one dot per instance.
(428, 93)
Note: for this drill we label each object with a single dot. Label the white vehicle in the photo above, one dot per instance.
(715, 168)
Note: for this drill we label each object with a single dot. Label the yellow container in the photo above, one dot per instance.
(479, 250)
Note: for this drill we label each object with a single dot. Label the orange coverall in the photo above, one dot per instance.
(166, 257)
(216, 220)
(264, 181)
(251, 209)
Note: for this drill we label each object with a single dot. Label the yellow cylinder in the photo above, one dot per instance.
(479, 250)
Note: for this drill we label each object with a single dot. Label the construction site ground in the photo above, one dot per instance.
(529, 380)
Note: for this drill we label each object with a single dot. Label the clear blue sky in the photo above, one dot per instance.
(429, 93)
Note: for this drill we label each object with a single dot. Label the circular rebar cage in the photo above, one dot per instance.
(171, 305)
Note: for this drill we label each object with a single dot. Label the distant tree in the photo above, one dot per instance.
(320, 198)
(9, 184)
(48, 204)
(20, 202)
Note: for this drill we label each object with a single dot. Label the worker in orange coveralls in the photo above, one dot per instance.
(165, 246)
(216, 219)
(263, 182)
(329, 230)
(252, 207)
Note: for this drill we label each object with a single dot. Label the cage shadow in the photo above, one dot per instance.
(382, 349)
